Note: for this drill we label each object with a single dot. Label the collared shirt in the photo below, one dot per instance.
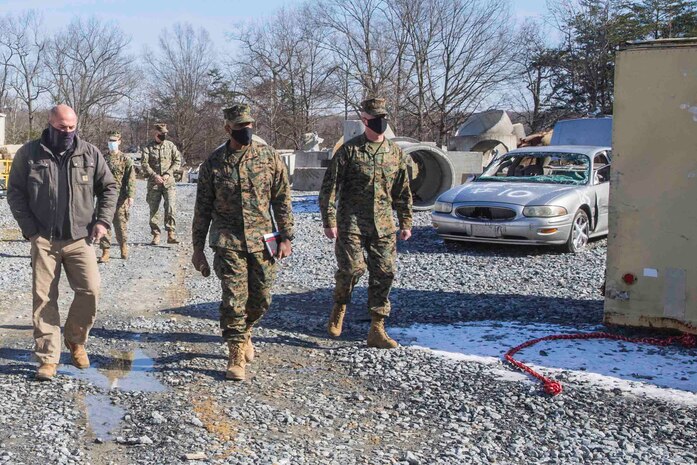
(236, 191)
(121, 167)
(367, 180)
(160, 159)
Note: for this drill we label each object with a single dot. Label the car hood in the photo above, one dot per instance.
(516, 193)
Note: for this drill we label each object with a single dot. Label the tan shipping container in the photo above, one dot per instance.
(652, 246)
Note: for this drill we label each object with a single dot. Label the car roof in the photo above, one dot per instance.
(582, 149)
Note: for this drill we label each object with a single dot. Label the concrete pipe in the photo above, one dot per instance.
(432, 173)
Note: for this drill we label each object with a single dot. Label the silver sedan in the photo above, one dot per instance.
(556, 195)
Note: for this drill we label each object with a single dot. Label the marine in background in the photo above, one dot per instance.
(160, 160)
(121, 167)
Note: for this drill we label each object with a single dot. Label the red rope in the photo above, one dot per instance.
(553, 387)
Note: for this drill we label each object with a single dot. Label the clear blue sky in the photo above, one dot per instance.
(144, 19)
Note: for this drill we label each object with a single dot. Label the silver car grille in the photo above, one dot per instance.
(482, 213)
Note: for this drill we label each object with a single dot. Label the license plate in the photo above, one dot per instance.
(486, 230)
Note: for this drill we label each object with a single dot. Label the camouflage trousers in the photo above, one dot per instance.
(119, 226)
(353, 251)
(154, 197)
(246, 280)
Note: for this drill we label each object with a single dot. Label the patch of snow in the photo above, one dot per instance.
(668, 373)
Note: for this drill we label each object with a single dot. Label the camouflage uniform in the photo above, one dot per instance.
(235, 190)
(121, 166)
(368, 180)
(161, 159)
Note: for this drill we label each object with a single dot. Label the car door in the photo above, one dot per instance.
(601, 189)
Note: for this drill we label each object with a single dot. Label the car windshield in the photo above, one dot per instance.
(542, 167)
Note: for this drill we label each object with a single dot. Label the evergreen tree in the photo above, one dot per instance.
(663, 19)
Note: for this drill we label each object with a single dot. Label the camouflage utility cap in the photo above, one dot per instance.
(374, 106)
(240, 113)
(114, 135)
(161, 127)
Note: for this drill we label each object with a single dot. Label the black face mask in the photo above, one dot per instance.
(378, 125)
(60, 140)
(161, 137)
(242, 136)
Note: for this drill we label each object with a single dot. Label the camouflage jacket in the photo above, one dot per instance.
(121, 167)
(366, 186)
(160, 159)
(235, 191)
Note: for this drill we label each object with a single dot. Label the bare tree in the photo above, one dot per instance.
(367, 51)
(536, 92)
(6, 56)
(179, 79)
(91, 71)
(285, 73)
(471, 60)
(418, 19)
(23, 36)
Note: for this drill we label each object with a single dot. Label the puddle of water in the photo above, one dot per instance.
(306, 204)
(126, 371)
(103, 417)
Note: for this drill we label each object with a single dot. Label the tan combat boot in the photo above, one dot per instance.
(249, 349)
(155, 239)
(124, 251)
(377, 337)
(336, 320)
(236, 362)
(172, 238)
(46, 371)
(105, 257)
(78, 355)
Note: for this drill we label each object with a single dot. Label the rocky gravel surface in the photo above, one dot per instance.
(156, 393)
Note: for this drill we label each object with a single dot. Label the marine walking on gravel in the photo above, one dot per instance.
(160, 160)
(51, 192)
(238, 185)
(366, 179)
(121, 167)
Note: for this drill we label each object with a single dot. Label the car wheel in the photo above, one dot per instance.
(580, 231)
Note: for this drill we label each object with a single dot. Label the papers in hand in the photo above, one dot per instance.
(271, 241)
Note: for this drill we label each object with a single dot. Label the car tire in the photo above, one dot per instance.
(579, 234)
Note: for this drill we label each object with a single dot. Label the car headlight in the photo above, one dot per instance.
(443, 207)
(545, 211)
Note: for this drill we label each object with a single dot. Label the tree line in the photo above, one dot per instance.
(307, 68)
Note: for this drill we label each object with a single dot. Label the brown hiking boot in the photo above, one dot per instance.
(155, 239)
(105, 257)
(172, 238)
(78, 355)
(336, 320)
(124, 251)
(377, 337)
(236, 362)
(46, 371)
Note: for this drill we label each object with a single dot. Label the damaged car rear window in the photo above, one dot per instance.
(542, 167)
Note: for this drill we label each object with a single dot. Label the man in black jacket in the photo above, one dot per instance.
(51, 191)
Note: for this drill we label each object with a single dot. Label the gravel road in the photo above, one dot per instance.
(156, 393)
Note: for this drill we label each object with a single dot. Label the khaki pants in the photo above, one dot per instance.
(78, 259)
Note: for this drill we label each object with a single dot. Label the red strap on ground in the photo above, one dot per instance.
(553, 387)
